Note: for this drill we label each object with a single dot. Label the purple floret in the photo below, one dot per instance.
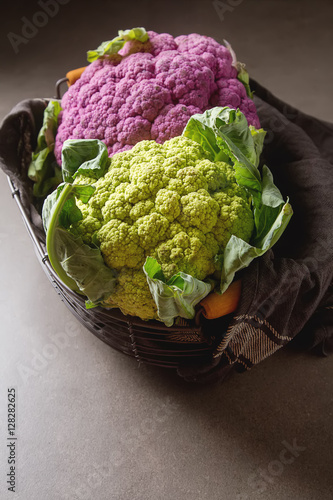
(171, 121)
(150, 91)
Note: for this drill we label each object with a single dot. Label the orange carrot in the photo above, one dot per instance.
(216, 305)
(74, 75)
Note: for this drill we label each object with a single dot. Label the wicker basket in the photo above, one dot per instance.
(207, 350)
(186, 343)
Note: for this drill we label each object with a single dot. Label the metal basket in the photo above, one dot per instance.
(151, 342)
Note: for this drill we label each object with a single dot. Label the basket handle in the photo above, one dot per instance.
(70, 78)
(16, 195)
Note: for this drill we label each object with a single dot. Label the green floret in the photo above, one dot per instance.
(165, 201)
(132, 295)
(141, 208)
(188, 180)
(215, 174)
(193, 252)
(151, 229)
(116, 207)
(87, 228)
(235, 215)
(184, 150)
(146, 179)
(199, 210)
(119, 243)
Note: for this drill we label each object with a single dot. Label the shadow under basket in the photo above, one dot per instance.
(149, 342)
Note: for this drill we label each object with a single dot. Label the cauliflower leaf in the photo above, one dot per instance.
(177, 296)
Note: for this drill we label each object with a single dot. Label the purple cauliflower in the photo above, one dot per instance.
(149, 91)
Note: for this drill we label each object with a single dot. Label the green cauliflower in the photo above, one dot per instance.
(169, 202)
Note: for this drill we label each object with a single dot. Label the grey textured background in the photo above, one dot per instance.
(93, 424)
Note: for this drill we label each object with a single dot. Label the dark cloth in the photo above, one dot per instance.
(18, 139)
(287, 295)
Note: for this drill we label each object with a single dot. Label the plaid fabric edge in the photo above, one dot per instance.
(249, 340)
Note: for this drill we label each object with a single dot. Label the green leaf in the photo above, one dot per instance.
(45, 172)
(134, 34)
(258, 136)
(52, 214)
(84, 265)
(84, 156)
(105, 49)
(271, 195)
(79, 266)
(43, 169)
(61, 204)
(277, 228)
(113, 46)
(268, 208)
(238, 254)
(176, 297)
(47, 133)
(243, 76)
(197, 130)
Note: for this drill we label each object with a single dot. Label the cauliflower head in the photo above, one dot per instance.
(165, 201)
(150, 90)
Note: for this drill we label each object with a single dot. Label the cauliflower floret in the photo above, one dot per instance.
(193, 252)
(151, 229)
(199, 210)
(120, 244)
(171, 121)
(174, 204)
(235, 217)
(150, 90)
(214, 174)
(116, 207)
(141, 208)
(167, 203)
(132, 294)
(87, 227)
